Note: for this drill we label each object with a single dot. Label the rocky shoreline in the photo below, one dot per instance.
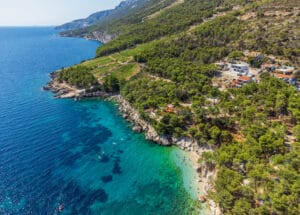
(102, 37)
(205, 175)
(64, 90)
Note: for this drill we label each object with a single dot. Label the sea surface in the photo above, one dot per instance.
(80, 155)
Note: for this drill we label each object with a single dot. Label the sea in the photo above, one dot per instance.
(60, 156)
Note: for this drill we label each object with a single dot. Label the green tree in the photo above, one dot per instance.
(236, 55)
(281, 103)
(111, 84)
(241, 206)
(296, 132)
(271, 145)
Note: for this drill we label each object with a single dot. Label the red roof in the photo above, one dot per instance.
(283, 76)
(244, 78)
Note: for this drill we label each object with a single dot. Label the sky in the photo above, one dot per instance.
(49, 12)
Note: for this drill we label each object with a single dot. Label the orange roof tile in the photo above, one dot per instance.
(283, 76)
(244, 78)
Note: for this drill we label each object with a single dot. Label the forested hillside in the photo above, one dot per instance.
(118, 21)
(166, 65)
(124, 8)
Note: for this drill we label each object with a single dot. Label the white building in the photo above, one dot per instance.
(240, 69)
(286, 70)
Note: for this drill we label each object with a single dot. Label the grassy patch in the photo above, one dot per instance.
(126, 71)
(98, 61)
(103, 70)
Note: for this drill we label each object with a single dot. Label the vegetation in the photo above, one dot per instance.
(111, 84)
(164, 66)
(189, 13)
(120, 20)
(79, 76)
(252, 170)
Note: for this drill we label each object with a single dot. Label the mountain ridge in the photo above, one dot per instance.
(85, 22)
(122, 8)
(114, 25)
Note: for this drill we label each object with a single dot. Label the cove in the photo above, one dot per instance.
(82, 155)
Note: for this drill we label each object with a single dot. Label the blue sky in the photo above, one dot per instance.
(49, 12)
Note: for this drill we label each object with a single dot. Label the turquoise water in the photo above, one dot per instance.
(81, 155)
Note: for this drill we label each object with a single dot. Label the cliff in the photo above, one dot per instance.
(103, 37)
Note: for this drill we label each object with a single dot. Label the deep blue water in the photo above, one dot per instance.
(81, 155)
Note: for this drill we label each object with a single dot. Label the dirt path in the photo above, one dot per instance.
(157, 78)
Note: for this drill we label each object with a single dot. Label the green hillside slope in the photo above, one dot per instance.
(118, 21)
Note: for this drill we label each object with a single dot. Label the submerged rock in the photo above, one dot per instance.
(106, 179)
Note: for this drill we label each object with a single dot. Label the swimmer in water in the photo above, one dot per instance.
(60, 208)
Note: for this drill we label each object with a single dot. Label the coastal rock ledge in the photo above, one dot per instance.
(65, 90)
(140, 125)
(206, 175)
(103, 37)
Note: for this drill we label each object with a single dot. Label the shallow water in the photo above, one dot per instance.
(81, 155)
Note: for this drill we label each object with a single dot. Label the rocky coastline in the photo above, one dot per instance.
(64, 90)
(129, 113)
(103, 37)
(206, 175)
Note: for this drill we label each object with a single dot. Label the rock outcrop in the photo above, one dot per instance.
(103, 37)
(64, 90)
(140, 125)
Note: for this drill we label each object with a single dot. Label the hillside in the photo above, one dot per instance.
(127, 14)
(224, 74)
(124, 8)
(82, 23)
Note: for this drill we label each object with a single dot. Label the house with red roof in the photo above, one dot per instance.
(287, 78)
(241, 81)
